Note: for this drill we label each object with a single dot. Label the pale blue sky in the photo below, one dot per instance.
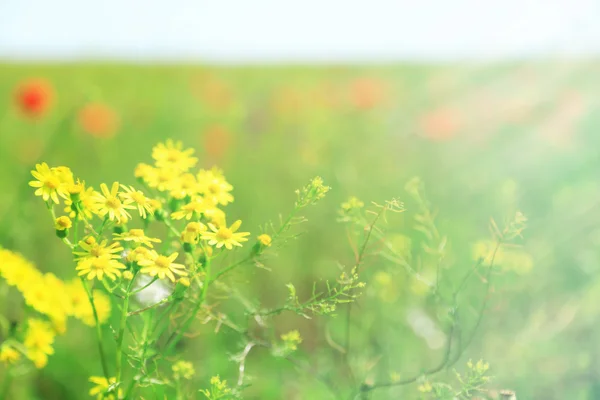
(299, 31)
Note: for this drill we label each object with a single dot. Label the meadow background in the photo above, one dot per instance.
(486, 139)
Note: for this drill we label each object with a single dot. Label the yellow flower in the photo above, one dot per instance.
(197, 206)
(87, 205)
(136, 236)
(80, 304)
(48, 182)
(171, 155)
(137, 254)
(184, 281)
(192, 231)
(62, 223)
(265, 239)
(214, 186)
(128, 275)
(38, 341)
(137, 198)
(162, 266)
(9, 354)
(143, 171)
(185, 185)
(92, 249)
(47, 296)
(162, 179)
(108, 203)
(183, 369)
(224, 236)
(102, 387)
(17, 271)
(98, 267)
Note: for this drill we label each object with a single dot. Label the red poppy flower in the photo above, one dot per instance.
(99, 120)
(33, 97)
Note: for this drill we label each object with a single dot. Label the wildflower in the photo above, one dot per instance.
(185, 185)
(143, 171)
(92, 249)
(291, 340)
(171, 155)
(82, 198)
(192, 231)
(17, 270)
(184, 281)
(312, 192)
(109, 204)
(46, 294)
(102, 387)
(353, 203)
(9, 354)
(99, 120)
(80, 306)
(137, 198)
(224, 236)
(48, 183)
(34, 97)
(214, 187)
(265, 239)
(136, 236)
(162, 178)
(183, 369)
(63, 223)
(128, 275)
(137, 254)
(97, 267)
(162, 266)
(38, 341)
(197, 206)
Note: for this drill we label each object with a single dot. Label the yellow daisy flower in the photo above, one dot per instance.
(63, 223)
(102, 386)
(185, 185)
(137, 198)
(143, 171)
(214, 187)
(87, 205)
(171, 155)
(162, 179)
(38, 341)
(92, 249)
(48, 183)
(137, 254)
(136, 236)
(80, 304)
(192, 231)
(224, 236)
(197, 206)
(108, 203)
(97, 267)
(161, 266)
(9, 354)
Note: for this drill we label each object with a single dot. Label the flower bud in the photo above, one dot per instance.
(128, 275)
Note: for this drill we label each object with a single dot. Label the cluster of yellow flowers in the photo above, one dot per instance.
(49, 296)
(179, 194)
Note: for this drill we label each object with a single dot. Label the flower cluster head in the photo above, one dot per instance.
(52, 302)
(183, 369)
(311, 193)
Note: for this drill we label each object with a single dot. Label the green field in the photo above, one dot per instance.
(486, 141)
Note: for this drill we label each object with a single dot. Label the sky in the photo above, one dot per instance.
(238, 31)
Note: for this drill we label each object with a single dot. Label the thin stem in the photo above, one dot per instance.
(145, 286)
(121, 334)
(171, 343)
(98, 329)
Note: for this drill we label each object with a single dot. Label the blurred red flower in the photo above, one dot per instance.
(440, 124)
(99, 120)
(367, 93)
(216, 142)
(33, 97)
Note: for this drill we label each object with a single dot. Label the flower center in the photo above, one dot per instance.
(214, 188)
(136, 233)
(138, 197)
(113, 202)
(162, 262)
(52, 182)
(224, 234)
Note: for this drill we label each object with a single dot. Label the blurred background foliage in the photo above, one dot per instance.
(486, 141)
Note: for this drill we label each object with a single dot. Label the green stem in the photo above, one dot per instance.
(121, 334)
(171, 343)
(6, 383)
(98, 329)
